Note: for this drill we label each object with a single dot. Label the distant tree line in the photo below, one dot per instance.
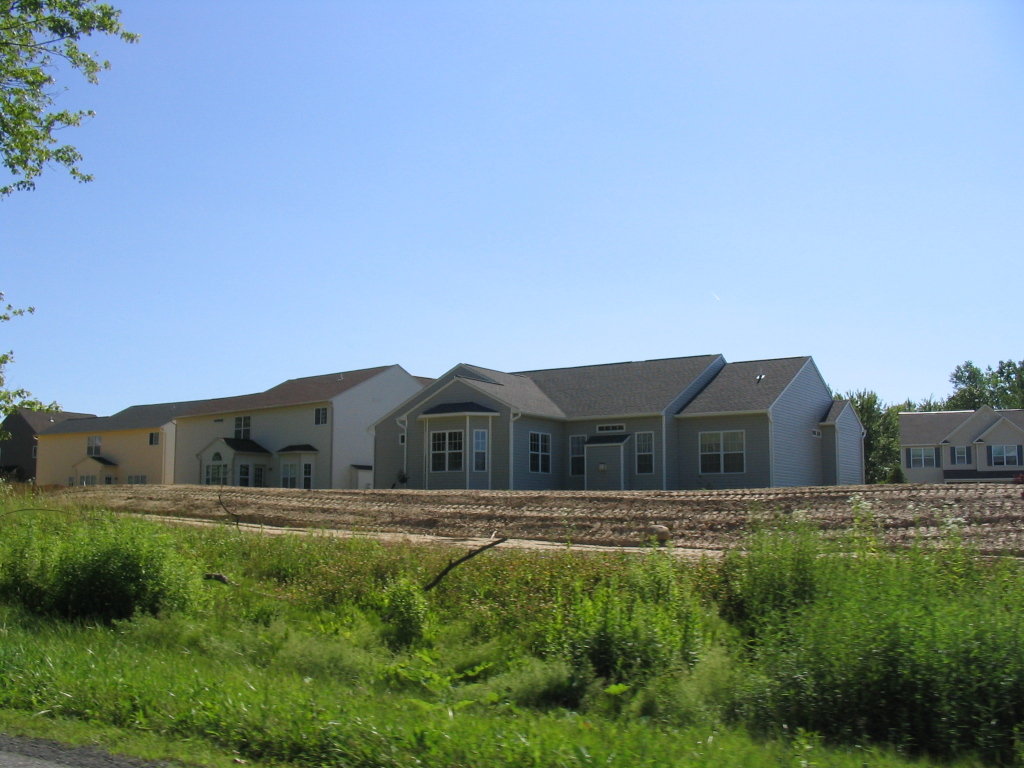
(999, 387)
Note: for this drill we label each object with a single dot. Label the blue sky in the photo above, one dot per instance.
(285, 190)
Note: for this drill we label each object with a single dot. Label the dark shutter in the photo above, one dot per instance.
(952, 455)
(908, 458)
(1020, 455)
(988, 451)
(938, 456)
(969, 454)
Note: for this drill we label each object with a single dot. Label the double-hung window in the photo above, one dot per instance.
(644, 453)
(154, 438)
(540, 452)
(922, 457)
(319, 416)
(243, 428)
(577, 454)
(93, 444)
(446, 451)
(960, 455)
(722, 452)
(479, 450)
(289, 473)
(1005, 456)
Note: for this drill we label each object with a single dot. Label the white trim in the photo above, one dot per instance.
(636, 453)
(611, 428)
(721, 453)
(716, 414)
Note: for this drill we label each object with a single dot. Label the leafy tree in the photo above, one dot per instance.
(1002, 387)
(35, 37)
(13, 399)
(881, 436)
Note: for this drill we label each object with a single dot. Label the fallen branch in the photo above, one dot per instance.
(455, 563)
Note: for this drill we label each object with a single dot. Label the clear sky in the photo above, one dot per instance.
(290, 189)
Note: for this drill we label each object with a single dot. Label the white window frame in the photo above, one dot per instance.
(154, 438)
(443, 445)
(922, 457)
(290, 474)
(93, 445)
(216, 473)
(540, 453)
(243, 427)
(611, 427)
(639, 437)
(721, 452)
(1008, 457)
(320, 415)
(960, 455)
(307, 475)
(480, 441)
(580, 457)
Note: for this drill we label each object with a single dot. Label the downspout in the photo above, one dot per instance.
(771, 450)
(467, 448)
(513, 417)
(664, 451)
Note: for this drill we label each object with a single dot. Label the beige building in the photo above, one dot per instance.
(986, 445)
(312, 432)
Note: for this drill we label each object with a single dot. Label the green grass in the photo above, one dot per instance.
(326, 652)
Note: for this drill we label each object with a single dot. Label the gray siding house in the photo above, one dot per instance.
(676, 423)
(18, 446)
(986, 445)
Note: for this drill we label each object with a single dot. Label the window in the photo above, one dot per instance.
(446, 451)
(307, 476)
(922, 457)
(216, 474)
(401, 439)
(645, 453)
(479, 450)
(540, 452)
(611, 427)
(289, 475)
(35, 451)
(243, 427)
(320, 416)
(154, 438)
(108, 480)
(1004, 456)
(722, 452)
(243, 475)
(87, 480)
(577, 455)
(93, 445)
(136, 479)
(960, 455)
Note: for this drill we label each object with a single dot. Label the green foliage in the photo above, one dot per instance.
(1001, 387)
(637, 624)
(104, 569)
(37, 37)
(881, 437)
(404, 610)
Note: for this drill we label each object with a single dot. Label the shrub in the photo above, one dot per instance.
(404, 610)
(100, 568)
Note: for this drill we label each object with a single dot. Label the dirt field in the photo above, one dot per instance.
(989, 516)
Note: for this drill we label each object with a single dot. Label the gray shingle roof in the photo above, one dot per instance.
(311, 389)
(932, 427)
(517, 390)
(834, 410)
(458, 408)
(40, 420)
(619, 389)
(243, 445)
(753, 385)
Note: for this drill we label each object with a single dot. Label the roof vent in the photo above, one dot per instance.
(759, 378)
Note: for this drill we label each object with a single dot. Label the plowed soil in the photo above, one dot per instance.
(989, 516)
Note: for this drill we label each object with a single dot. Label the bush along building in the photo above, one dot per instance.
(677, 423)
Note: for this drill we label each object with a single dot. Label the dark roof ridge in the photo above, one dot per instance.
(623, 362)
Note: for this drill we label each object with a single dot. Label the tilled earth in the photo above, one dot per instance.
(988, 516)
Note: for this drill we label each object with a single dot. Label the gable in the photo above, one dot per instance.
(746, 387)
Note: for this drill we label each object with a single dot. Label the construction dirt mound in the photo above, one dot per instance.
(988, 516)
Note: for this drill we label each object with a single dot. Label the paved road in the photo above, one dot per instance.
(41, 753)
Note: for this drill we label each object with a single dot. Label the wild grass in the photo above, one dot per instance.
(802, 651)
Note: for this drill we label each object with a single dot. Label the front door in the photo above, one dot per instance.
(605, 467)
